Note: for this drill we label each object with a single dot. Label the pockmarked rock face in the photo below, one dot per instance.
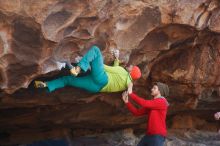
(176, 42)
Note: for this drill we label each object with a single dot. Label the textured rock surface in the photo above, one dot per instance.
(177, 42)
(127, 138)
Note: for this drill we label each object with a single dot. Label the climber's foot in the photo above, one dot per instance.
(75, 70)
(39, 84)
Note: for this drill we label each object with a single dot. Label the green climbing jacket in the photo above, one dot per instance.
(118, 78)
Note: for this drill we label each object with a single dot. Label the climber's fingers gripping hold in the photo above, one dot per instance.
(115, 53)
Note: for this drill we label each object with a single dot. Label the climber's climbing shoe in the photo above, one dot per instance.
(39, 84)
(75, 71)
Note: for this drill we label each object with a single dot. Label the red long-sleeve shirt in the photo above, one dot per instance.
(156, 109)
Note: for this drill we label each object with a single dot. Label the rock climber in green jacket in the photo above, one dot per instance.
(102, 78)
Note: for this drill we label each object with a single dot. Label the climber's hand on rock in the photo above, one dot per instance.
(115, 53)
(125, 96)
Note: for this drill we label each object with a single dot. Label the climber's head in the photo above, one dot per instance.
(134, 71)
(160, 89)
